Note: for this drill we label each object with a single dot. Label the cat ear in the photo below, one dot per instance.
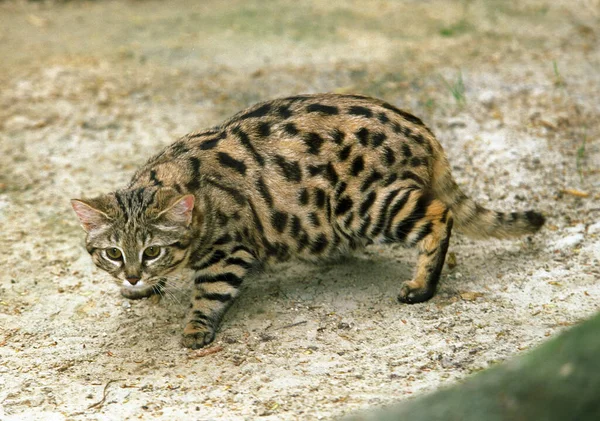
(91, 218)
(180, 211)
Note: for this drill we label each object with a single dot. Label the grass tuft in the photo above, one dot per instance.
(559, 81)
(457, 89)
(458, 28)
(580, 157)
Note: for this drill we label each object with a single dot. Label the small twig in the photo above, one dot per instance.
(206, 351)
(576, 193)
(101, 401)
(292, 325)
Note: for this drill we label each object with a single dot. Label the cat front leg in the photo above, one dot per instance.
(217, 281)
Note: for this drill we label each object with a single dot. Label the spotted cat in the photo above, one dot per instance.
(300, 177)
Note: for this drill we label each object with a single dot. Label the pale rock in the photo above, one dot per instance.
(568, 242)
(487, 97)
(594, 228)
(18, 122)
(579, 228)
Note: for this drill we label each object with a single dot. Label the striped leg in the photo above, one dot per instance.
(412, 216)
(428, 225)
(217, 281)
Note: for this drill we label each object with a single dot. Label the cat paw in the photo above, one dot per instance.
(410, 293)
(196, 336)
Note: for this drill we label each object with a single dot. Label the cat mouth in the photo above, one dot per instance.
(140, 290)
(134, 292)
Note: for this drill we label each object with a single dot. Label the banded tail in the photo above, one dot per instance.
(474, 220)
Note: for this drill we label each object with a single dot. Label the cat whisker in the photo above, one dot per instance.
(170, 286)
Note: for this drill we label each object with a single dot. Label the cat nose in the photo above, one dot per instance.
(133, 279)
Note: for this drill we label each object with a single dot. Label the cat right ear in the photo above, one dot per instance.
(91, 218)
(180, 211)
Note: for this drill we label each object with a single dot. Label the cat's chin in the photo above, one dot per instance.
(136, 293)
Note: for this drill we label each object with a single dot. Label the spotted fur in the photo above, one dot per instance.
(301, 177)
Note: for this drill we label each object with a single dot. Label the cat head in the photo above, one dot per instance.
(138, 236)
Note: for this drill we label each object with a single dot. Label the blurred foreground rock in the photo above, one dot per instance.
(560, 380)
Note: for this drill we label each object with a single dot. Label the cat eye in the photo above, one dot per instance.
(152, 252)
(114, 253)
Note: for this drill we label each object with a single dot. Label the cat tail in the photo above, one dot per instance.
(474, 220)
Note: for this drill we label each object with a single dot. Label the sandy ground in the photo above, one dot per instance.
(89, 90)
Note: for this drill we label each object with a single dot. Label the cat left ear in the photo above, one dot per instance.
(91, 218)
(180, 211)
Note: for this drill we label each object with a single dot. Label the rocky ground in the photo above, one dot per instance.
(89, 90)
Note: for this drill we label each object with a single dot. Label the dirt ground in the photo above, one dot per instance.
(89, 90)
